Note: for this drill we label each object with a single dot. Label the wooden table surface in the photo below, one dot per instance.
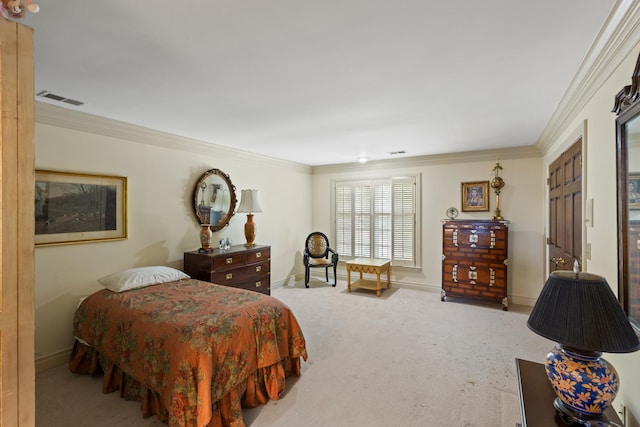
(537, 395)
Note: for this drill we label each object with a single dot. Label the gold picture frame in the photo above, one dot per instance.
(79, 208)
(475, 196)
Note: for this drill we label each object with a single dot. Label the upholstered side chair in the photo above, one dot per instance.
(318, 253)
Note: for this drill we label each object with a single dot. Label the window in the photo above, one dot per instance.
(378, 219)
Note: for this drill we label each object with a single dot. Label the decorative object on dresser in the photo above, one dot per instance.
(475, 196)
(249, 204)
(580, 312)
(238, 267)
(475, 259)
(214, 199)
(452, 213)
(205, 238)
(316, 254)
(497, 183)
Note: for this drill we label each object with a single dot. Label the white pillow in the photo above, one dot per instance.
(140, 277)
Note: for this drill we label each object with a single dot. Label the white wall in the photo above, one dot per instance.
(599, 154)
(521, 203)
(160, 217)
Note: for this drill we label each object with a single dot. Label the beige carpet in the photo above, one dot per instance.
(403, 359)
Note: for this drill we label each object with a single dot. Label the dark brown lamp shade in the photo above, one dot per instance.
(579, 311)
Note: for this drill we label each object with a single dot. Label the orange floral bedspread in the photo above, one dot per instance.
(193, 352)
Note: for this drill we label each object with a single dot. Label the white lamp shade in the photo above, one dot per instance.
(249, 203)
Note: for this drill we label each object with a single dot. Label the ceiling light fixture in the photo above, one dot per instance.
(362, 159)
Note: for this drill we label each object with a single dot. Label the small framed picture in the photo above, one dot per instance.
(79, 208)
(475, 196)
(634, 191)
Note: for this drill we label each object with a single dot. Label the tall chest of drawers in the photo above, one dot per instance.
(475, 259)
(238, 267)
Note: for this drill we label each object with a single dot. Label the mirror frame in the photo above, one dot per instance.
(627, 108)
(232, 191)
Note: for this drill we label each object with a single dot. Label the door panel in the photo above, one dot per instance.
(565, 209)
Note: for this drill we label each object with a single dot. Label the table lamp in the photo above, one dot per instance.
(580, 312)
(249, 204)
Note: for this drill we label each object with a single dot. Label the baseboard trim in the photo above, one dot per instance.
(53, 360)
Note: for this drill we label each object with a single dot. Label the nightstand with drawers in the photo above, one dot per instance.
(238, 267)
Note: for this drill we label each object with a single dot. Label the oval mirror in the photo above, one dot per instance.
(214, 199)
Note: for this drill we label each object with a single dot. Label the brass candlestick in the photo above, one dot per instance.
(497, 183)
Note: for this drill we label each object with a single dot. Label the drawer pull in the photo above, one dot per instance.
(258, 254)
(258, 269)
(229, 260)
(229, 276)
(258, 284)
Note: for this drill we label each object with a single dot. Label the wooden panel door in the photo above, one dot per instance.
(565, 209)
(17, 358)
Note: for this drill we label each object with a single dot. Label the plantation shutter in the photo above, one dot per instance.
(362, 221)
(382, 217)
(344, 216)
(377, 219)
(404, 221)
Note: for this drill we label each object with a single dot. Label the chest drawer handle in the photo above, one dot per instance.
(258, 269)
(258, 284)
(229, 276)
(229, 260)
(258, 254)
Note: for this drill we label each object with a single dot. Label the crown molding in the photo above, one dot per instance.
(54, 115)
(619, 35)
(528, 151)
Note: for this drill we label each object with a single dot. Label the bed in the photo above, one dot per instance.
(192, 352)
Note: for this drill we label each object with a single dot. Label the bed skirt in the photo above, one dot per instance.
(264, 384)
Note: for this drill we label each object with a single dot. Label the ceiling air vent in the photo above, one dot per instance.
(58, 98)
(393, 153)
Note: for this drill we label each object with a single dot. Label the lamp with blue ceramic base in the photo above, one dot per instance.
(580, 312)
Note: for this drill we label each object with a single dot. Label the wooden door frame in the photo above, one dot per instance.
(580, 133)
(17, 272)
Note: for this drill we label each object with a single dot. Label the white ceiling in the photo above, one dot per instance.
(320, 82)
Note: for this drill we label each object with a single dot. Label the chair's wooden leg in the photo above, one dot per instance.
(335, 278)
(306, 277)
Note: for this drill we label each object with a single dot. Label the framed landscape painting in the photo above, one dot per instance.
(79, 208)
(475, 196)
